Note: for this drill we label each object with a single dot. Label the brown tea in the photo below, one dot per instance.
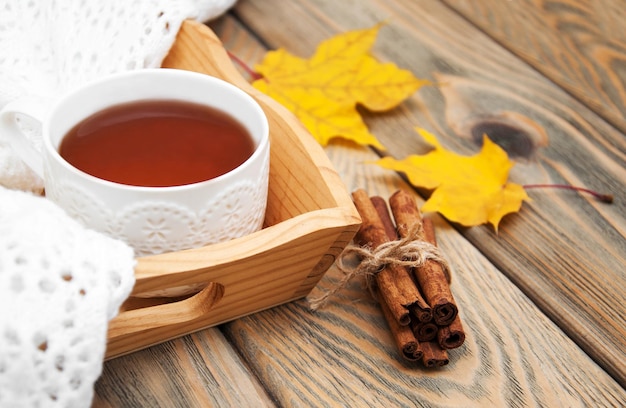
(157, 143)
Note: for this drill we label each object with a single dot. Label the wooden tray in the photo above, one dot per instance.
(310, 219)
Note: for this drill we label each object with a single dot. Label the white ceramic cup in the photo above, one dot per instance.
(150, 219)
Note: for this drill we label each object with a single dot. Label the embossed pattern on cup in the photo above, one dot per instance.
(153, 226)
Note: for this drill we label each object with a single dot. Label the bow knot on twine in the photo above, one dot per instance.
(411, 251)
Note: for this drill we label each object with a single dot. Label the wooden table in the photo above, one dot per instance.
(542, 300)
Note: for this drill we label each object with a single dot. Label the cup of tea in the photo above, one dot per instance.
(163, 159)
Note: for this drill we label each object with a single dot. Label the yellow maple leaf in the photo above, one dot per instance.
(323, 91)
(470, 190)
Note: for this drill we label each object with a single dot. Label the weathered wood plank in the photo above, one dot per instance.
(578, 44)
(343, 355)
(198, 370)
(566, 251)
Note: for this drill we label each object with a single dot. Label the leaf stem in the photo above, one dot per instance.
(606, 198)
(252, 73)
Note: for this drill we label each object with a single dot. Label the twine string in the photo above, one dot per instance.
(410, 251)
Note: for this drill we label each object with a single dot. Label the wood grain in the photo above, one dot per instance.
(565, 251)
(199, 370)
(578, 44)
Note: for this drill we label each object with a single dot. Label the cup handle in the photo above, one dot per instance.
(10, 130)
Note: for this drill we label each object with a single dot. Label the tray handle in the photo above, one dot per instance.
(135, 321)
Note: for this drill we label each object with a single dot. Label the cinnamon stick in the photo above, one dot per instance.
(431, 277)
(429, 236)
(394, 283)
(424, 331)
(423, 314)
(380, 205)
(452, 336)
(434, 356)
(403, 336)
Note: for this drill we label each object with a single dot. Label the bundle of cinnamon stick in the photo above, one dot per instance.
(416, 300)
